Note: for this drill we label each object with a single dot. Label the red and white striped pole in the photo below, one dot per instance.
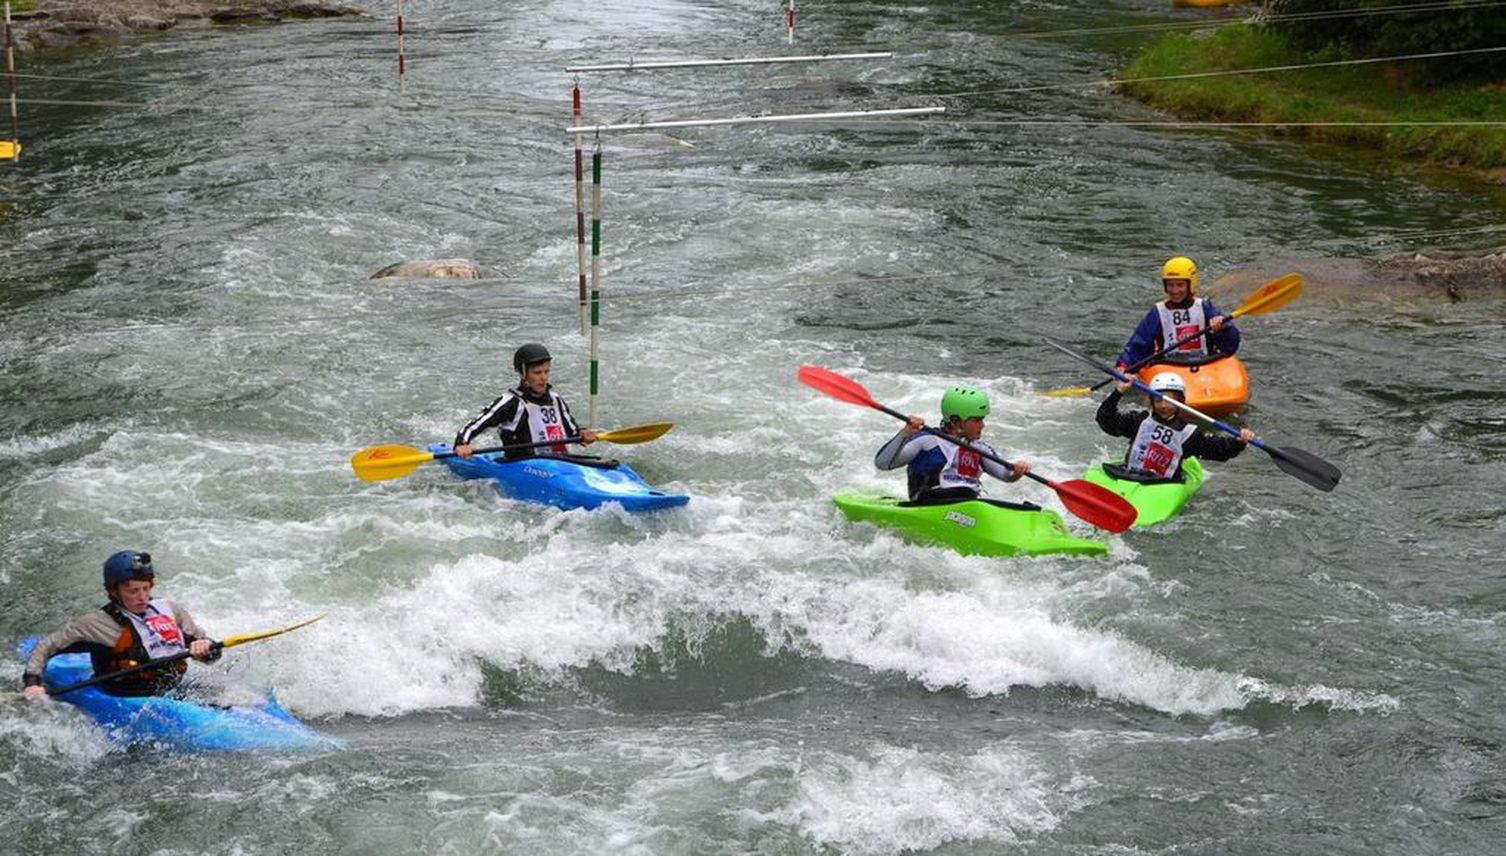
(595, 281)
(10, 69)
(580, 207)
(790, 20)
(402, 59)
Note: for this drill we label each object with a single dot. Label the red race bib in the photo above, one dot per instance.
(969, 465)
(1158, 459)
(165, 627)
(1183, 331)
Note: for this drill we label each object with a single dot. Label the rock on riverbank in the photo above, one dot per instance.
(61, 23)
(1425, 275)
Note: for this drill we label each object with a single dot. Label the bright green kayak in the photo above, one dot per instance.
(1156, 501)
(975, 527)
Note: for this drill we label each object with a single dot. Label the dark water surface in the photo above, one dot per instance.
(192, 351)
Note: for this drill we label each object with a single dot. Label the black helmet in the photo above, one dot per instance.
(128, 565)
(530, 354)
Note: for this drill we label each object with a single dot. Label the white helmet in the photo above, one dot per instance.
(1168, 382)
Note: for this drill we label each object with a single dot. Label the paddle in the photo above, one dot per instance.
(227, 642)
(1093, 503)
(1273, 295)
(1303, 465)
(392, 461)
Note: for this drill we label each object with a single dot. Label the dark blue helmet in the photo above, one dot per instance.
(128, 565)
(530, 354)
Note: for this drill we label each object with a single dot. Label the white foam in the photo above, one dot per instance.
(905, 800)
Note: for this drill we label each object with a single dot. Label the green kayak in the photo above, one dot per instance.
(975, 527)
(1158, 500)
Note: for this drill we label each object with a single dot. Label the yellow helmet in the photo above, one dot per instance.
(1180, 267)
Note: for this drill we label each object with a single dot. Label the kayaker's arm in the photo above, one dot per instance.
(1216, 447)
(1001, 472)
(200, 645)
(506, 410)
(898, 452)
(1142, 342)
(1116, 424)
(572, 428)
(83, 635)
(1224, 340)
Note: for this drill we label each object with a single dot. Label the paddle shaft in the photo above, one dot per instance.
(131, 670)
(439, 456)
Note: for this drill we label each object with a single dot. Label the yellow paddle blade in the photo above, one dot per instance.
(9, 150)
(637, 433)
(379, 463)
(232, 641)
(1273, 295)
(1069, 392)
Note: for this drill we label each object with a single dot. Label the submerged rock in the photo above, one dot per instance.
(432, 269)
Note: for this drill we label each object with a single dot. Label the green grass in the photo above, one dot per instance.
(1364, 93)
(23, 6)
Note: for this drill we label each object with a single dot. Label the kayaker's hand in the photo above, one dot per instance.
(199, 648)
(587, 437)
(914, 425)
(463, 450)
(1246, 435)
(1020, 468)
(1124, 385)
(34, 692)
(1216, 323)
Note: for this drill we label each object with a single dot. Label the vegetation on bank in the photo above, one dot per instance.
(1359, 93)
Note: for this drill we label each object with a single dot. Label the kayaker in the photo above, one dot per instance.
(1160, 438)
(132, 628)
(1181, 314)
(530, 412)
(940, 470)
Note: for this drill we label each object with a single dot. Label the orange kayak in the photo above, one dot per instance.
(1217, 387)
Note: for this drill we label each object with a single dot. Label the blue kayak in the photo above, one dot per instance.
(175, 723)
(564, 482)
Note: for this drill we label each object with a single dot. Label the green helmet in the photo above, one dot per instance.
(963, 402)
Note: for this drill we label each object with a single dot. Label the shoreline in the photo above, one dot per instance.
(50, 24)
(1359, 107)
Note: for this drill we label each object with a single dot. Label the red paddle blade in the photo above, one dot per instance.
(836, 386)
(1096, 504)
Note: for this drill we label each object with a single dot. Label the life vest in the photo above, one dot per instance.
(547, 420)
(1157, 447)
(1180, 323)
(150, 636)
(960, 468)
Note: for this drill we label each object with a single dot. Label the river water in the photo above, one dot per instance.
(193, 349)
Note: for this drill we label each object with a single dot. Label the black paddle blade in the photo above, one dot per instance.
(1306, 466)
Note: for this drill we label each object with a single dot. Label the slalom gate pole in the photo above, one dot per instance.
(10, 68)
(595, 280)
(580, 205)
(402, 57)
